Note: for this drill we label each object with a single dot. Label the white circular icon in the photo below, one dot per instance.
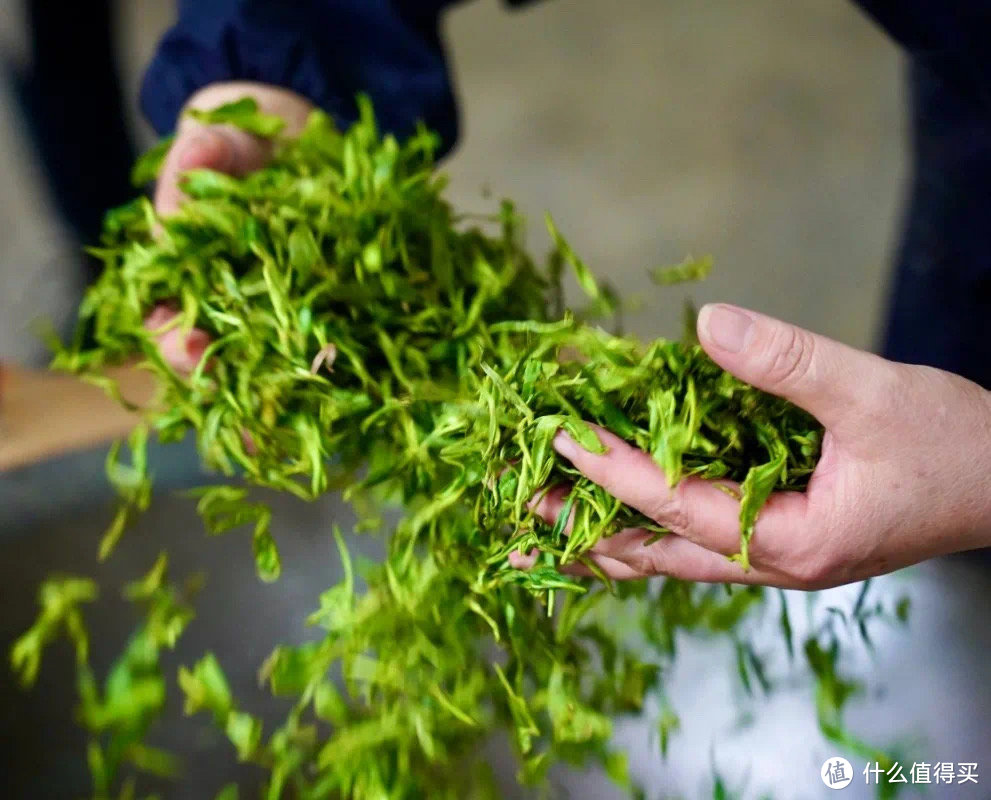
(836, 772)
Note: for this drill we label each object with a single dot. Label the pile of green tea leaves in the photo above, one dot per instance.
(366, 338)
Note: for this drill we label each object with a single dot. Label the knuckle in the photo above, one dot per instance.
(820, 567)
(763, 552)
(648, 561)
(654, 560)
(792, 356)
(811, 572)
(666, 509)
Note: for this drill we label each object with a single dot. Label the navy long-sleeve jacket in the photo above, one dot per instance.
(329, 50)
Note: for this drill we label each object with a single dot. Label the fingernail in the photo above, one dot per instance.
(207, 149)
(566, 446)
(726, 326)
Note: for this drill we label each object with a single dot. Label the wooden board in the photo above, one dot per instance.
(44, 414)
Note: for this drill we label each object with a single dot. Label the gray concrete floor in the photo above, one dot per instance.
(767, 133)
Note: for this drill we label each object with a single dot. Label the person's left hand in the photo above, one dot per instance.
(905, 471)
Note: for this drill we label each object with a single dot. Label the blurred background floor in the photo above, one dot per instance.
(769, 134)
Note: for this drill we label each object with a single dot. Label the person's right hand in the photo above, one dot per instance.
(903, 475)
(223, 148)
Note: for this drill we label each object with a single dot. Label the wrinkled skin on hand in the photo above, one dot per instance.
(904, 476)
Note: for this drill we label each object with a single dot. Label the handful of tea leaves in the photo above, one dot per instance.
(364, 337)
(357, 324)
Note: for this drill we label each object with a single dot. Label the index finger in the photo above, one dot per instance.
(695, 508)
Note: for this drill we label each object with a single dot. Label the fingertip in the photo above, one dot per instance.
(702, 324)
(183, 351)
(523, 561)
(160, 315)
(206, 148)
(725, 328)
(566, 446)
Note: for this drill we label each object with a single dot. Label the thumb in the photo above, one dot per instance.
(216, 147)
(828, 379)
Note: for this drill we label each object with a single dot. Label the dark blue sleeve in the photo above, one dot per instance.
(939, 310)
(326, 50)
(951, 36)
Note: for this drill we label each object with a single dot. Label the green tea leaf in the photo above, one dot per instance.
(148, 165)
(243, 114)
(206, 687)
(229, 792)
(691, 269)
(761, 480)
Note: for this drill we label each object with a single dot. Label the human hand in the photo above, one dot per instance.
(904, 475)
(223, 148)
